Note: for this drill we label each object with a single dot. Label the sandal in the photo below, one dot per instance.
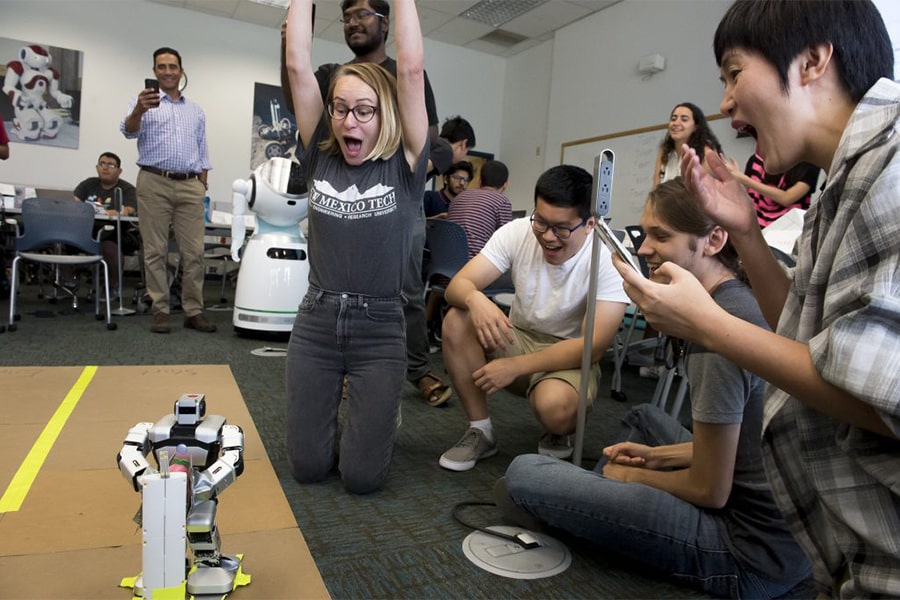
(437, 393)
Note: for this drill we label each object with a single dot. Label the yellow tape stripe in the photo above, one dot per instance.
(23, 479)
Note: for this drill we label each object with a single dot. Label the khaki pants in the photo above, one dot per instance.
(529, 342)
(162, 202)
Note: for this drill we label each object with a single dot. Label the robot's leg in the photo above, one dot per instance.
(27, 124)
(214, 573)
(52, 123)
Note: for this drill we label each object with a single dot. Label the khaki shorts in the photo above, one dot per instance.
(529, 342)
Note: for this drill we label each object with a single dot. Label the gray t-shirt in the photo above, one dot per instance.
(361, 219)
(722, 392)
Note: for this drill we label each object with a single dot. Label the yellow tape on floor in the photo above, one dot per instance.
(21, 482)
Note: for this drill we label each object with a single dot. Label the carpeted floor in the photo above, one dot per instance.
(401, 542)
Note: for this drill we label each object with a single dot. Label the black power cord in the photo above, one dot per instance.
(523, 538)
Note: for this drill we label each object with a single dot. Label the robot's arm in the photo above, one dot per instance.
(11, 81)
(132, 457)
(224, 471)
(64, 100)
(242, 189)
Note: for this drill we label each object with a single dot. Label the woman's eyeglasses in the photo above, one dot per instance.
(362, 112)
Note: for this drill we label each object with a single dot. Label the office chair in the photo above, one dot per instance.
(50, 225)
(449, 248)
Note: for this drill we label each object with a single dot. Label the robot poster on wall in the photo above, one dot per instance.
(41, 100)
(274, 131)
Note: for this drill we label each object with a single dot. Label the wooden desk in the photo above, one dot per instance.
(73, 536)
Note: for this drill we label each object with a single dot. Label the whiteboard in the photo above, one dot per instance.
(635, 157)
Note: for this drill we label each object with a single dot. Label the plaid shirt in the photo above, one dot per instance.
(839, 486)
(172, 136)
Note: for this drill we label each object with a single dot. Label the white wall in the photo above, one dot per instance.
(524, 117)
(223, 59)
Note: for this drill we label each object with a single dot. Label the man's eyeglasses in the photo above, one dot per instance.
(460, 179)
(559, 231)
(362, 112)
(359, 16)
(107, 165)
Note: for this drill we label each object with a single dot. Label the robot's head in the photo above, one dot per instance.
(272, 202)
(36, 57)
(190, 409)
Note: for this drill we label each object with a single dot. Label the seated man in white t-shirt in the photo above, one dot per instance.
(536, 351)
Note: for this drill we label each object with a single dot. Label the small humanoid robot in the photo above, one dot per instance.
(275, 273)
(177, 500)
(26, 83)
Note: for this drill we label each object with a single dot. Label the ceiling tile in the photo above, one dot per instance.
(546, 17)
(448, 7)
(460, 31)
(429, 19)
(222, 8)
(260, 15)
(439, 20)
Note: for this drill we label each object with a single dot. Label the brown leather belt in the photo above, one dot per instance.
(170, 174)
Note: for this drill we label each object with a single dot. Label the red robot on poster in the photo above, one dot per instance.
(27, 83)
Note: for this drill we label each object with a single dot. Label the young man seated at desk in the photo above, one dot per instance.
(100, 190)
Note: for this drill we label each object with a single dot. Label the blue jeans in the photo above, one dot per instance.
(641, 523)
(362, 337)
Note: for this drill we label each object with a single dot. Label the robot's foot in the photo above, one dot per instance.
(217, 580)
(28, 131)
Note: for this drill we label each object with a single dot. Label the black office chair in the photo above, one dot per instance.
(448, 246)
(51, 225)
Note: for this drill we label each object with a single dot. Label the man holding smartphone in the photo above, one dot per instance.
(171, 186)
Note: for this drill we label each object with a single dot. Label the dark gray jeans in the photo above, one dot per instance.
(363, 337)
(414, 310)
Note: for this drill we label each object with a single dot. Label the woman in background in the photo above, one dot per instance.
(687, 125)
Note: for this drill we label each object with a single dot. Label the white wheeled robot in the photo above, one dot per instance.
(274, 275)
(26, 82)
(178, 501)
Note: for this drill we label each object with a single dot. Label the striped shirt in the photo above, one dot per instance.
(839, 486)
(480, 212)
(767, 210)
(172, 136)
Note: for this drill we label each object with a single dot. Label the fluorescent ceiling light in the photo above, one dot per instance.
(497, 12)
(275, 3)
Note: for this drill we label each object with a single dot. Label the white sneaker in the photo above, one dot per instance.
(471, 448)
(557, 446)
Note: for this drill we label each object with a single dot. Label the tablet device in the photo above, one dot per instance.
(615, 246)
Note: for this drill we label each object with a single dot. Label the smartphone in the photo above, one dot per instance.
(615, 246)
(151, 84)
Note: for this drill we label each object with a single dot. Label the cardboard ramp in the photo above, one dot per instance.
(66, 528)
